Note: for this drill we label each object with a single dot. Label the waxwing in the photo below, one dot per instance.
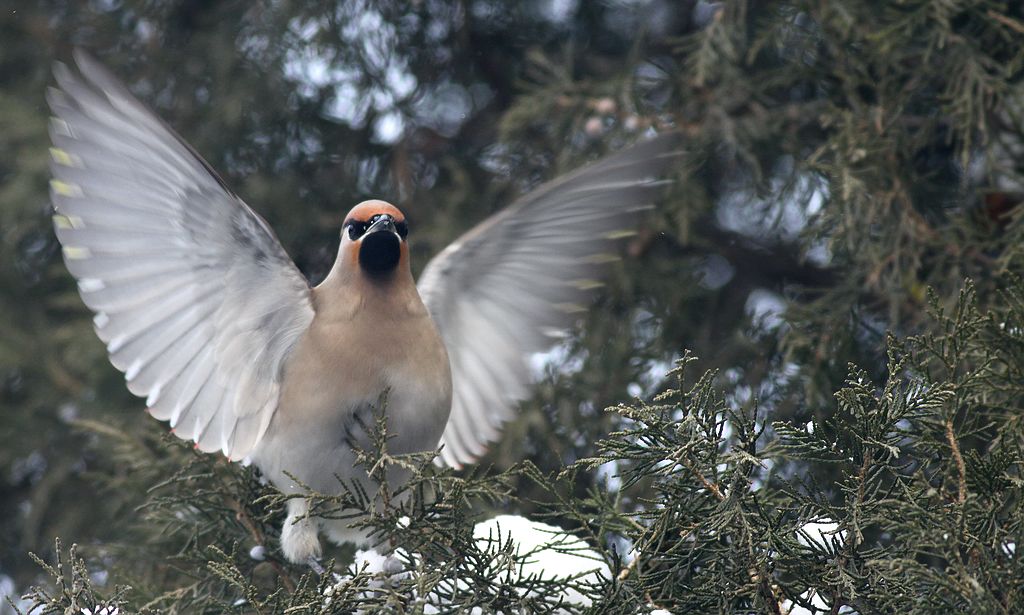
(211, 322)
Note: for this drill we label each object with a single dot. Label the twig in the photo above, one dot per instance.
(960, 467)
(1009, 22)
(710, 486)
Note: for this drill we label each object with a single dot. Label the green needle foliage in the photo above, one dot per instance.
(923, 517)
(841, 248)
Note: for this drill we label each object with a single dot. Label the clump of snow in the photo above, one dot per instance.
(542, 551)
(106, 610)
(817, 602)
(328, 592)
(371, 562)
(537, 550)
(820, 533)
(790, 608)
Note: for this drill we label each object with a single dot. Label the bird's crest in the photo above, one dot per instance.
(368, 209)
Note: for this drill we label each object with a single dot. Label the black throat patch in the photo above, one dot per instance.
(379, 252)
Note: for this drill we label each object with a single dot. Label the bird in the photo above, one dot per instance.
(213, 324)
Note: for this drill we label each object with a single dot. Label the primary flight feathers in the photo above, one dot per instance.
(201, 308)
(194, 296)
(501, 291)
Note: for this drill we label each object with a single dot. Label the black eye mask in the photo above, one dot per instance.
(356, 229)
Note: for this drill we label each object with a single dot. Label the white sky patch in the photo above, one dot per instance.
(820, 253)
(401, 82)
(559, 11)
(608, 472)
(9, 591)
(31, 467)
(820, 605)
(557, 358)
(99, 577)
(68, 412)
(646, 328)
(651, 379)
(388, 128)
(740, 396)
(765, 309)
(747, 213)
(314, 67)
(757, 482)
(714, 271)
(445, 107)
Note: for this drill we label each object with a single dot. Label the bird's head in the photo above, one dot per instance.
(373, 238)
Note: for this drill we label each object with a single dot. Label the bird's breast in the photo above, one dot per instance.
(342, 365)
(336, 376)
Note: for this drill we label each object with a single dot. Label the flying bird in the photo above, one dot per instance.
(211, 322)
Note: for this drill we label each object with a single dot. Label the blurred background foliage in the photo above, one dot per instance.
(842, 159)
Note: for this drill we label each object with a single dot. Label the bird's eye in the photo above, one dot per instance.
(402, 228)
(356, 229)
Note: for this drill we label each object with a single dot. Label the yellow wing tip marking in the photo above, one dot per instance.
(73, 253)
(621, 234)
(65, 188)
(65, 222)
(586, 284)
(61, 157)
(601, 259)
(62, 222)
(569, 308)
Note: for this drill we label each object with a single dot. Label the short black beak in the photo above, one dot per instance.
(383, 222)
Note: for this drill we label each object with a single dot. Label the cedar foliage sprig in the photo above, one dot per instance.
(712, 511)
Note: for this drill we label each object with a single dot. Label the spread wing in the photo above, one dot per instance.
(502, 290)
(194, 296)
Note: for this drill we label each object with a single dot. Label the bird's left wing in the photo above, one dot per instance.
(196, 300)
(500, 291)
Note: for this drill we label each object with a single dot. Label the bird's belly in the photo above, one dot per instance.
(313, 438)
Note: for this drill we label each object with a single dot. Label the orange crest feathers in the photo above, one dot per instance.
(367, 209)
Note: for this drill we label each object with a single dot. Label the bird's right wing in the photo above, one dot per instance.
(194, 296)
(500, 291)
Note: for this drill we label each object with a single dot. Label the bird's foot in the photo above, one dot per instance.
(300, 541)
(316, 566)
(320, 571)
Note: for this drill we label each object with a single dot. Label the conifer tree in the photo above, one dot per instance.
(839, 252)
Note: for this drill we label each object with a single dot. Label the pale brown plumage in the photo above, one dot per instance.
(209, 319)
(370, 333)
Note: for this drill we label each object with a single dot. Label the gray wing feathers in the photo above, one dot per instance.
(194, 296)
(501, 291)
